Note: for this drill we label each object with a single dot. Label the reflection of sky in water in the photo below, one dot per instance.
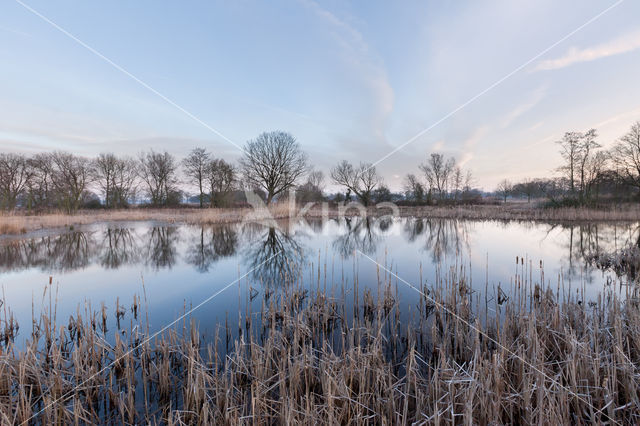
(181, 266)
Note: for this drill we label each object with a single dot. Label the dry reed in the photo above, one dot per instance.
(20, 223)
(341, 355)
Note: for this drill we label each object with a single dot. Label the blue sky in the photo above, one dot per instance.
(351, 80)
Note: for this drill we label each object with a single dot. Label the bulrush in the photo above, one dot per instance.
(310, 357)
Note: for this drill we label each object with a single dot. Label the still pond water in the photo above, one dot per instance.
(174, 267)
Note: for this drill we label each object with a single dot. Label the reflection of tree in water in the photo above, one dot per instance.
(360, 235)
(272, 254)
(442, 236)
(384, 223)
(68, 251)
(316, 225)
(117, 248)
(212, 244)
(161, 247)
(587, 243)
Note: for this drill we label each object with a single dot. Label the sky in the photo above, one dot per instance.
(493, 84)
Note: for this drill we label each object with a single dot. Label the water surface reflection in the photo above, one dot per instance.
(175, 266)
(273, 252)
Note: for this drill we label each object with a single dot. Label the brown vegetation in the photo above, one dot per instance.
(19, 223)
(522, 211)
(307, 357)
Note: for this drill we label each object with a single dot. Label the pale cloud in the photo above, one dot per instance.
(438, 145)
(624, 44)
(535, 126)
(634, 113)
(469, 145)
(524, 107)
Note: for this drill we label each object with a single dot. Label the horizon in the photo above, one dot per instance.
(348, 81)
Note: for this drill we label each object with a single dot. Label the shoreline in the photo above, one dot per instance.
(20, 224)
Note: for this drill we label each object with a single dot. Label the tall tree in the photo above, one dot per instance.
(125, 183)
(195, 168)
(413, 188)
(594, 173)
(220, 177)
(504, 189)
(437, 171)
(456, 181)
(626, 156)
(274, 162)
(361, 181)
(40, 186)
(158, 172)
(72, 175)
(105, 169)
(570, 152)
(116, 178)
(587, 147)
(15, 175)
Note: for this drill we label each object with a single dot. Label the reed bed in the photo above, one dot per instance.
(17, 223)
(520, 211)
(351, 353)
(20, 223)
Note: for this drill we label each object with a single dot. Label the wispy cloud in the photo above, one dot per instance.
(533, 100)
(438, 145)
(634, 113)
(14, 31)
(364, 61)
(468, 147)
(623, 44)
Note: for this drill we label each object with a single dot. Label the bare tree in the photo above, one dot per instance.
(594, 172)
(116, 178)
(468, 184)
(504, 189)
(626, 156)
(72, 175)
(456, 181)
(158, 172)
(312, 189)
(413, 188)
(274, 162)
(361, 181)
(15, 175)
(125, 182)
(104, 167)
(527, 188)
(437, 170)
(316, 179)
(586, 151)
(40, 186)
(195, 167)
(570, 151)
(220, 177)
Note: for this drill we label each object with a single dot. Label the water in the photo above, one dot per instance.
(173, 268)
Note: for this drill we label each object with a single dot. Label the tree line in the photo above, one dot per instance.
(589, 173)
(274, 162)
(67, 181)
(271, 164)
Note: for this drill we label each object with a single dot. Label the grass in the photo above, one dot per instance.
(319, 354)
(20, 223)
(522, 211)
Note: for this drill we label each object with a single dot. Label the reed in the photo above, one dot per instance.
(335, 354)
(20, 223)
(520, 211)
